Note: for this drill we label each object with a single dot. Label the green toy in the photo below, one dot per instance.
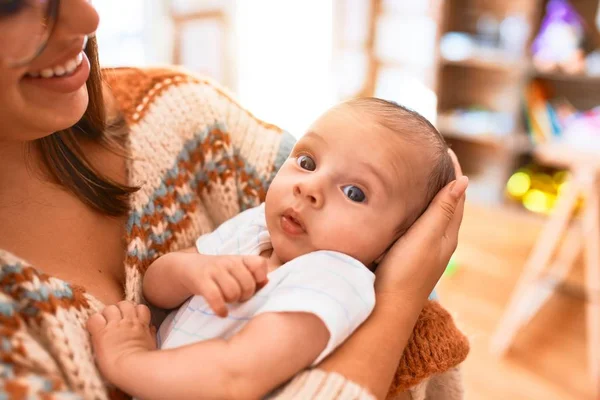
(452, 267)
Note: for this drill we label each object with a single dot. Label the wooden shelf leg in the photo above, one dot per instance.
(591, 226)
(558, 271)
(540, 257)
(567, 255)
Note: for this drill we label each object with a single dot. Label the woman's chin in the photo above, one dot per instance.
(62, 114)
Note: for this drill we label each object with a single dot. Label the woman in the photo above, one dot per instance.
(97, 180)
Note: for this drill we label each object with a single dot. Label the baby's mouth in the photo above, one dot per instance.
(292, 223)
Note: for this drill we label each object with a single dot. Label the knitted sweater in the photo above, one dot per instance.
(200, 159)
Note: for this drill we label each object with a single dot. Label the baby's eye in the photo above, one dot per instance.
(307, 163)
(354, 193)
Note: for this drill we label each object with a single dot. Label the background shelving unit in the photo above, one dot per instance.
(497, 82)
(490, 78)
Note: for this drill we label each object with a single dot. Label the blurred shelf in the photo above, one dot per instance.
(491, 140)
(560, 155)
(476, 76)
(514, 142)
(561, 76)
(496, 63)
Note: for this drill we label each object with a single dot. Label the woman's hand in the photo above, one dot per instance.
(417, 260)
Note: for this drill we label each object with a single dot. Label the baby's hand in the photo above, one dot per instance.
(226, 279)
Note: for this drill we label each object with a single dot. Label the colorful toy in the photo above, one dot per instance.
(452, 267)
(537, 189)
(559, 41)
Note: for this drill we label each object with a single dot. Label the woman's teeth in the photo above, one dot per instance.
(65, 69)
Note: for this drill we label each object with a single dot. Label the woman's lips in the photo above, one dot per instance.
(292, 224)
(64, 84)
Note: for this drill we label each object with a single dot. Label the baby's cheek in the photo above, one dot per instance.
(352, 239)
(376, 240)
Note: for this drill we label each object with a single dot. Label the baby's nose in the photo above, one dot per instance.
(309, 193)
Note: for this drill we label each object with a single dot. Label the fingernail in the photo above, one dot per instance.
(458, 187)
(452, 184)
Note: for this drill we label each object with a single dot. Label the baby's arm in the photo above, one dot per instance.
(269, 350)
(174, 277)
(163, 285)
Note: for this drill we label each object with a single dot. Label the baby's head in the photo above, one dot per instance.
(358, 179)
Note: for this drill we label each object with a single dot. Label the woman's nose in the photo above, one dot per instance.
(76, 18)
(310, 192)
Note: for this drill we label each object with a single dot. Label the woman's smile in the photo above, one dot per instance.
(68, 82)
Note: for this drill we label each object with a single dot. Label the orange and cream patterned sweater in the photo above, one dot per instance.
(200, 159)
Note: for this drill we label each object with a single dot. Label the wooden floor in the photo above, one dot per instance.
(548, 359)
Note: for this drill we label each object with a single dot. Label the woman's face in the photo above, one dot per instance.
(48, 94)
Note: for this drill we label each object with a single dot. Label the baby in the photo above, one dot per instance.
(277, 288)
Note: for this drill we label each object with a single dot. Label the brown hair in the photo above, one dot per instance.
(66, 162)
(415, 128)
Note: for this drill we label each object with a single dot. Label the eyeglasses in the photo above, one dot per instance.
(25, 26)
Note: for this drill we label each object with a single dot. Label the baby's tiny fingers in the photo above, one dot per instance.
(229, 286)
(213, 296)
(127, 309)
(257, 265)
(95, 323)
(143, 313)
(245, 280)
(262, 284)
(112, 313)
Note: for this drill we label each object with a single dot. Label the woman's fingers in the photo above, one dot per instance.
(416, 261)
(457, 168)
(441, 219)
(454, 225)
(455, 221)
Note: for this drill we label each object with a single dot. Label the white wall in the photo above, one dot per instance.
(284, 51)
(133, 32)
(281, 50)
